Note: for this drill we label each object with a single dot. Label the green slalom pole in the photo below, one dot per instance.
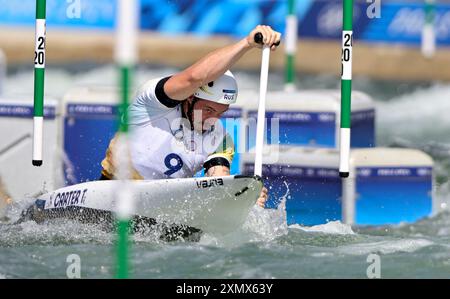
(346, 89)
(428, 31)
(125, 56)
(39, 75)
(291, 46)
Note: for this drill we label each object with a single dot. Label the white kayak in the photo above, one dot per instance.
(212, 204)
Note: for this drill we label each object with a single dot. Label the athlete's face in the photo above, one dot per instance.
(206, 114)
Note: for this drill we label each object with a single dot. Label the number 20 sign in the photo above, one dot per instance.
(39, 53)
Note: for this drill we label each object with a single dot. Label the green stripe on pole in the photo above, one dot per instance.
(122, 249)
(39, 75)
(291, 6)
(429, 12)
(346, 85)
(290, 71)
(40, 9)
(291, 40)
(123, 243)
(348, 15)
(125, 82)
(346, 94)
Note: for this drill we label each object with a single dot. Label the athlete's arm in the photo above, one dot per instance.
(184, 84)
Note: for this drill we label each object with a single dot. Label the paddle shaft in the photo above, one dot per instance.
(261, 105)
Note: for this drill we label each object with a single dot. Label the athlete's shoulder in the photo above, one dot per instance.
(148, 88)
(152, 92)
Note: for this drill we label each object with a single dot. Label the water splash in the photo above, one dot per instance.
(268, 224)
(261, 225)
(68, 168)
(332, 227)
(417, 115)
(385, 247)
(55, 233)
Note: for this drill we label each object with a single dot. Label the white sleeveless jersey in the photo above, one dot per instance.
(162, 144)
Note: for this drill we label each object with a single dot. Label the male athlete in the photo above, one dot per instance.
(173, 121)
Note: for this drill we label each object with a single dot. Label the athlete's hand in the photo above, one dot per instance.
(270, 37)
(262, 198)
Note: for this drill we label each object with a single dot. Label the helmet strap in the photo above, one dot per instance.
(190, 112)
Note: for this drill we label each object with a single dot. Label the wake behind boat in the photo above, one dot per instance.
(180, 208)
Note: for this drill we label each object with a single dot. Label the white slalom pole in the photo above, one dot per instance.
(262, 104)
(261, 110)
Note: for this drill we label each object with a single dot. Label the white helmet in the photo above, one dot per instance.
(223, 90)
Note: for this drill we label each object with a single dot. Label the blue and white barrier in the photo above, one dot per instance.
(89, 121)
(312, 118)
(386, 185)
